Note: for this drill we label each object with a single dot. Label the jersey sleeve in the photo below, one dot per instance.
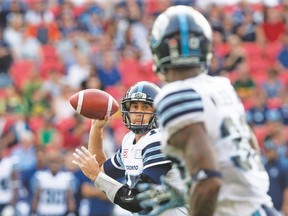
(153, 156)
(114, 166)
(178, 106)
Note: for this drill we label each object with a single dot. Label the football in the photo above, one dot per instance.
(94, 103)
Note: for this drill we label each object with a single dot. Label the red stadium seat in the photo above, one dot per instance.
(272, 50)
(253, 50)
(131, 72)
(21, 72)
(222, 49)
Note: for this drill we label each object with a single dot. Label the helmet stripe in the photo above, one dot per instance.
(140, 87)
(184, 34)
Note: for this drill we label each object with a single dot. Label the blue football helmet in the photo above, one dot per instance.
(140, 92)
(181, 37)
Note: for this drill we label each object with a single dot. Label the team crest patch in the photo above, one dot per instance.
(125, 153)
(138, 154)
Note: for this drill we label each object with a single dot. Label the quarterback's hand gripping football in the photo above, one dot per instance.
(86, 162)
(156, 199)
(100, 123)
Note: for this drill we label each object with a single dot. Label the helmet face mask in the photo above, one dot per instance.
(181, 37)
(144, 92)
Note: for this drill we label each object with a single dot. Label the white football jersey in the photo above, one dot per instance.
(7, 167)
(213, 101)
(134, 158)
(53, 195)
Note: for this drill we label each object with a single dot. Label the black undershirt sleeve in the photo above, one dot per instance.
(126, 196)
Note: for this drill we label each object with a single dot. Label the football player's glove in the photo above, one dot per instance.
(156, 199)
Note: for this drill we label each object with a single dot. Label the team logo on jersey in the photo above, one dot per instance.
(125, 153)
(138, 154)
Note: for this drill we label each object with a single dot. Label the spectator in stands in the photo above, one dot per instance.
(215, 17)
(25, 150)
(30, 48)
(6, 58)
(272, 27)
(11, 6)
(14, 102)
(273, 86)
(60, 104)
(108, 72)
(216, 66)
(91, 19)
(257, 115)
(8, 136)
(67, 23)
(282, 57)
(52, 85)
(13, 33)
(244, 84)
(246, 29)
(38, 13)
(69, 47)
(41, 23)
(278, 175)
(237, 54)
(284, 108)
(49, 135)
(78, 72)
(76, 133)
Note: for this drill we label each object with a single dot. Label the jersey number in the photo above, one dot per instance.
(54, 196)
(246, 157)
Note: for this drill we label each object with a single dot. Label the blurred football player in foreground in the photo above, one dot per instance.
(204, 125)
(139, 158)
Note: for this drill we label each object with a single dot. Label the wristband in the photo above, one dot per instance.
(108, 185)
(205, 174)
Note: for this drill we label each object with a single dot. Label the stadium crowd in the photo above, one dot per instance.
(50, 49)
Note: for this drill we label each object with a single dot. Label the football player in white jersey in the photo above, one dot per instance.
(9, 182)
(139, 158)
(53, 189)
(204, 124)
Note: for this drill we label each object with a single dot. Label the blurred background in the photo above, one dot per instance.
(50, 49)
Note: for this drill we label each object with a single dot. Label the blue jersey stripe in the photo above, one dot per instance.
(152, 153)
(153, 159)
(150, 147)
(181, 107)
(164, 122)
(184, 34)
(118, 160)
(174, 99)
(153, 150)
